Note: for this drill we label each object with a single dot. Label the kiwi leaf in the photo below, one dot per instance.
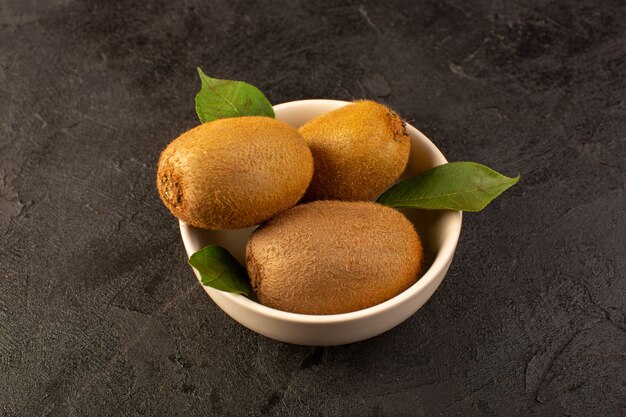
(220, 270)
(218, 99)
(466, 186)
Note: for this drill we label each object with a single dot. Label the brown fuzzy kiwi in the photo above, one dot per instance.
(329, 257)
(235, 172)
(359, 151)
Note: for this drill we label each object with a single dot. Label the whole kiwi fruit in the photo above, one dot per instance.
(359, 150)
(235, 172)
(329, 257)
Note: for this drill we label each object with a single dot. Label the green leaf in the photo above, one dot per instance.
(218, 99)
(466, 186)
(220, 270)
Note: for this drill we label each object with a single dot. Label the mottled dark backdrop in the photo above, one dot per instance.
(99, 313)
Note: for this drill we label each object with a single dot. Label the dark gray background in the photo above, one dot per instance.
(99, 313)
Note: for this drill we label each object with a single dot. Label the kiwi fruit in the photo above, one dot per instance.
(359, 150)
(330, 257)
(235, 172)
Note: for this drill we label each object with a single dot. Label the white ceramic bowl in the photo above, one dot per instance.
(439, 231)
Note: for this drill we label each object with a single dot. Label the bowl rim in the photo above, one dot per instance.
(439, 265)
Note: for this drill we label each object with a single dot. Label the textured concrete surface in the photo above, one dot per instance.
(99, 313)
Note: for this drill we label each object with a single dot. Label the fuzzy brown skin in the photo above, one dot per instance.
(233, 173)
(359, 151)
(329, 257)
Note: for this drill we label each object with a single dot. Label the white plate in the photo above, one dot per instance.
(439, 231)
